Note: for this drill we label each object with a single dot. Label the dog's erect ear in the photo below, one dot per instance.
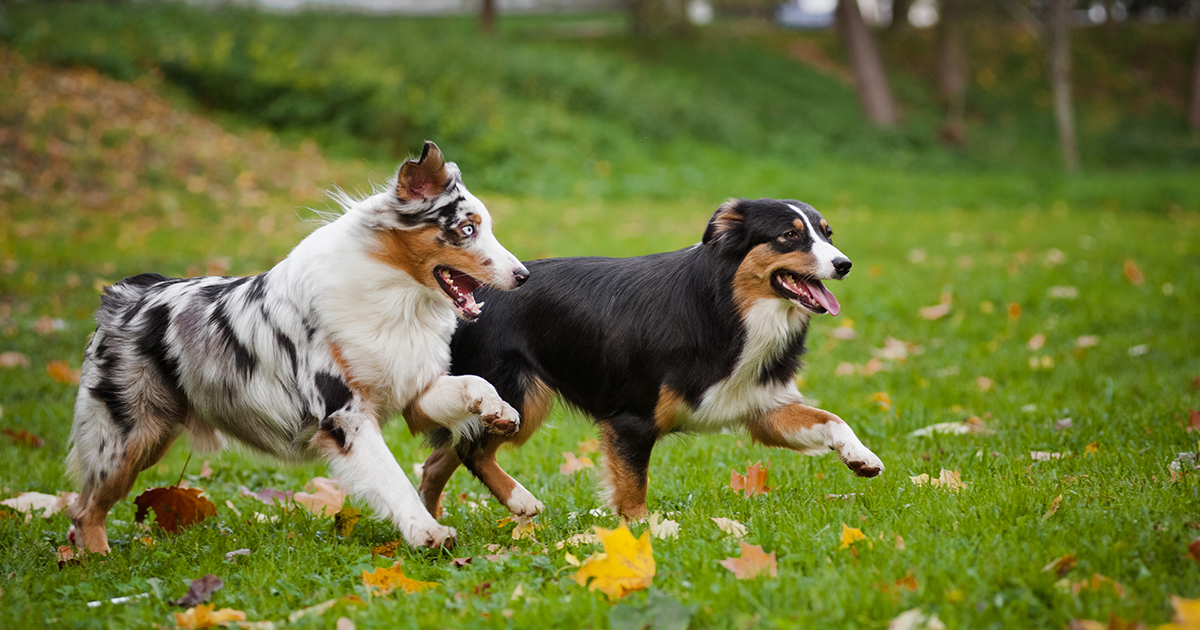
(725, 222)
(423, 178)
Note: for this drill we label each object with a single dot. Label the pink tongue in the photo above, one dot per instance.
(823, 296)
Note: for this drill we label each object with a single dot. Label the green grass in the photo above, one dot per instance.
(985, 234)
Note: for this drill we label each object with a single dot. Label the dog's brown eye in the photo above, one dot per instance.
(791, 235)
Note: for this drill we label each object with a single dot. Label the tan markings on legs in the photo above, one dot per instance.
(539, 399)
(101, 490)
(498, 482)
(625, 489)
(666, 411)
(780, 427)
(439, 467)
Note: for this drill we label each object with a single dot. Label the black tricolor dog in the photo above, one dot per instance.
(697, 340)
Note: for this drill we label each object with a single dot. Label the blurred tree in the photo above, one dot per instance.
(899, 15)
(869, 76)
(658, 17)
(1059, 30)
(1194, 105)
(952, 72)
(487, 16)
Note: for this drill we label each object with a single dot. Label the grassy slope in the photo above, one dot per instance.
(977, 555)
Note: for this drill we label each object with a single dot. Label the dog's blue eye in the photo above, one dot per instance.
(468, 230)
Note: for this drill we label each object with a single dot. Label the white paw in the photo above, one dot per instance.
(854, 454)
(498, 416)
(522, 503)
(425, 532)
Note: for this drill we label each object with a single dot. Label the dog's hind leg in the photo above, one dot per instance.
(436, 472)
(815, 431)
(508, 491)
(106, 458)
(626, 442)
(353, 444)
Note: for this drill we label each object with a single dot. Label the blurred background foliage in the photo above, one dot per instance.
(572, 106)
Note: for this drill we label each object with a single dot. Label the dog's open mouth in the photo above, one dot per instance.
(808, 293)
(459, 286)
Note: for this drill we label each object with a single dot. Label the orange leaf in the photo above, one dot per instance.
(574, 464)
(384, 581)
(61, 371)
(909, 582)
(23, 437)
(1193, 420)
(1194, 550)
(1014, 310)
(1132, 273)
(625, 566)
(174, 507)
(321, 496)
(851, 535)
(752, 483)
(588, 446)
(1061, 566)
(203, 616)
(1091, 448)
(1053, 508)
(754, 562)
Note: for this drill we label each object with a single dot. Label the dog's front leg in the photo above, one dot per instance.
(815, 431)
(461, 404)
(353, 444)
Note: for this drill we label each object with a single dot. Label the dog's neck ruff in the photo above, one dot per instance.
(770, 326)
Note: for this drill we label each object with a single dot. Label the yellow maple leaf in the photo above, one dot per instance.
(525, 528)
(851, 535)
(1187, 615)
(384, 581)
(625, 566)
(203, 616)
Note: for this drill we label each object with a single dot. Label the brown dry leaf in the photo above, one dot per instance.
(203, 616)
(174, 507)
(13, 359)
(574, 464)
(731, 527)
(321, 496)
(29, 502)
(1037, 341)
(937, 311)
(588, 446)
(388, 549)
(851, 535)
(1193, 420)
(900, 546)
(1014, 310)
(23, 436)
(1194, 550)
(200, 591)
(753, 482)
(578, 539)
(205, 470)
(68, 555)
(909, 582)
(525, 528)
(345, 520)
(1132, 273)
(947, 480)
(1093, 583)
(1053, 508)
(984, 383)
(61, 372)
(384, 581)
(1061, 566)
(625, 566)
(753, 562)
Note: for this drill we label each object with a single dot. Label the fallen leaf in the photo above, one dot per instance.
(1132, 273)
(1093, 583)
(731, 527)
(1194, 550)
(29, 502)
(572, 560)
(61, 371)
(579, 539)
(1037, 341)
(971, 425)
(174, 507)
(908, 582)
(235, 553)
(937, 311)
(68, 555)
(1043, 456)
(844, 497)
(13, 359)
(753, 482)
(574, 464)
(1014, 310)
(881, 399)
(665, 528)
(345, 520)
(388, 549)
(900, 546)
(1053, 508)
(947, 480)
(588, 446)
(1187, 614)
(1061, 566)
(205, 470)
(200, 591)
(984, 383)
(321, 496)
(1193, 420)
(1061, 425)
(1091, 449)
(752, 563)
(851, 535)
(383, 581)
(203, 616)
(23, 436)
(267, 496)
(525, 528)
(1087, 341)
(626, 564)
(916, 620)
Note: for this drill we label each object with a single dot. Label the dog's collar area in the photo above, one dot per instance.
(806, 292)
(459, 287)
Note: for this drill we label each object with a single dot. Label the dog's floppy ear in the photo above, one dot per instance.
(725, 223)
(423, 178)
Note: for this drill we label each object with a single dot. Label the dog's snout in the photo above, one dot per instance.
(520, 275)
(842, 265)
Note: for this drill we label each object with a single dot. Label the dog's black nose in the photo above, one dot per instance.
(520, 275)
(842, 265)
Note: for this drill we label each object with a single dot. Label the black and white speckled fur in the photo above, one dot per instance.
(305, 360)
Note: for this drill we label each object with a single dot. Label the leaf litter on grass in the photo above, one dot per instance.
(382, 581)
(174, 507)
(752, 563)
(754, 482)
(626, 564)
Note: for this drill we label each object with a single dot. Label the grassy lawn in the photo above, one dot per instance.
(1029, 263)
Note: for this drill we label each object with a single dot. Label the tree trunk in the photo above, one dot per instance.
(657, 17)
(1194, 109)
(1060, 80)
(952, 70)
(487, 16)
(899, 15)
(869, 76)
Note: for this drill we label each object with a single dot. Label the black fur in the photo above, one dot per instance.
(242, 358)
(333, 391)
